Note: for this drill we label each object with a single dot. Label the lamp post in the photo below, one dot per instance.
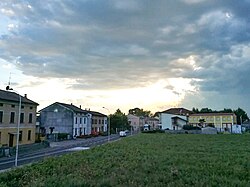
(109, 123)
(18, 122)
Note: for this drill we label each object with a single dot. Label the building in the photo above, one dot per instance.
(221, 121)
(9, 115)
(136, 122)
(70, 119)
(173, 118)
(98, 122)
(152, 122)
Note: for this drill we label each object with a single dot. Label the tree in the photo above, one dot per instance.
(241, 115)
(119, 121)
(140, 112)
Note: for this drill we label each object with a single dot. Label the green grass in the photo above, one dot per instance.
(146, 160)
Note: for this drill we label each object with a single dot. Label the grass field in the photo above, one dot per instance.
(146, 160)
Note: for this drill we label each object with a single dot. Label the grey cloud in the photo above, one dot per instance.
(119, 44)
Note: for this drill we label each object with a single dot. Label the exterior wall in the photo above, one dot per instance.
(8, 129)
(134, 121)
(179, 124)
(57, 117)
(219, 120)
(153, 122)
(99, 123)
(166, 120)
(82, 125)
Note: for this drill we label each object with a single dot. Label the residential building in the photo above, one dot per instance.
(70, 119)
(65, 118)
(98, 122)
(152, 122)
(9, 115)
(221, 121)
(136, 122)
(173, 118)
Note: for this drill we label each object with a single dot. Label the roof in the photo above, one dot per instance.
(77, 109)
(72, 107)
(14, 97)
(212, 114)
(178, 111)
(176, 117)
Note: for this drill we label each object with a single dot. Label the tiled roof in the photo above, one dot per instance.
(178, 111)
(96, 113)
(73, 108)
(14, 97)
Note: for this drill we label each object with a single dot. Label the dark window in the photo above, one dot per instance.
(1, 116)
(13, 106)
(100, 121)
(80, 120)
(30, 118)
(29, 134)
(20, 135)
(31, 107)
(22, 118)
(1, 104)
(12, 117)
(76, 121)
(22, 106)
(84, 120)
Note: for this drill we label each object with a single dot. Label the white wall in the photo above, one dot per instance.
(166, 120)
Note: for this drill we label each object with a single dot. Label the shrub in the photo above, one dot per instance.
(62, 136)
(190, 127)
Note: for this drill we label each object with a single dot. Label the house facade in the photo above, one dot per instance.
(173, 118)
(9, 116)
(65, 118)
(98, 122)
(152, 122)
(221, 121)
(136, 122)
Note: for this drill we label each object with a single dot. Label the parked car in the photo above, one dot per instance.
(123, 134)
(127, 132)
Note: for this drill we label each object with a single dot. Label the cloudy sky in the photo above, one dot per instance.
(128, 53)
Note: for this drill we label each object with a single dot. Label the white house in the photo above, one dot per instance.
(173, 118)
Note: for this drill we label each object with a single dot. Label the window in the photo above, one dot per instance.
(0, 137)
(12, 117)
(20, 135)
(22, 106)
(13, 106)
(30, 118)
(1, 116)
(80, 120)
(22, 118)
(31, 107)
(1, 104)
(100, 121)
(84, 120)
(29, 135)
(76, 120)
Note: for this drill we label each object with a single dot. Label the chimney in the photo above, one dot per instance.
(71, 104)
(80, 106)
(25, 95)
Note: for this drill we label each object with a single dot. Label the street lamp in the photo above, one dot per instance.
(109, 123)
(18, 122)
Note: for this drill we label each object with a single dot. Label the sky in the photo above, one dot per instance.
(125, 54)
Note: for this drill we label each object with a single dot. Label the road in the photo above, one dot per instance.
(7, 163)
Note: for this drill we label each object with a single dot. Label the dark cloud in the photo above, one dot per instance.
(117, 44)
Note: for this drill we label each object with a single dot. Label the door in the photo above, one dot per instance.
(11, 139)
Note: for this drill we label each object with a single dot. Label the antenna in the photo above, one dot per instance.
(9, 79)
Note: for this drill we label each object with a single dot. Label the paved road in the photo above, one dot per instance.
(56, 149)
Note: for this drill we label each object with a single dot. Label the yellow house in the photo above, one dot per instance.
(9, 115)
(221, 121)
